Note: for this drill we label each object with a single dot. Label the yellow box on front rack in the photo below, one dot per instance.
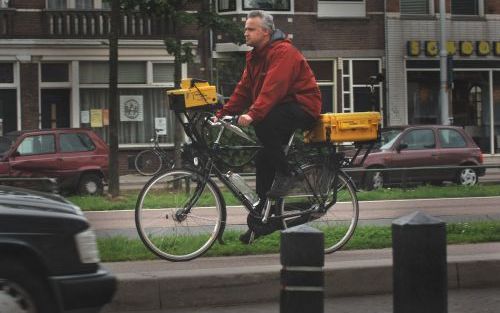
(194, 94)
(342, 127)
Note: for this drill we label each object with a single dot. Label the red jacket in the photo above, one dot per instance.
(278, 73)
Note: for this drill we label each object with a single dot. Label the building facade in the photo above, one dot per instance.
(412, 68)
(54, 62)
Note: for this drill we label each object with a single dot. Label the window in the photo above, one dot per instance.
(163, 72)
(419, 139)
(465, 7)
(6, 73)
(55, 72)
(341, 8)
(4, 3)
(37, 145)
(132, 132)
(414, 6)
(84, 4)
(423, 96)
(76, 143)
(56, 4)
(98, 72)
(450, 138)
(226, 5)
(358, 93)
(324, 71)
(270, 5)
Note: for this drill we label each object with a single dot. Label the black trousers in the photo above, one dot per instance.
(274, 131)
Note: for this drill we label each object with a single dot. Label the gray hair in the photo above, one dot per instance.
(267, 19)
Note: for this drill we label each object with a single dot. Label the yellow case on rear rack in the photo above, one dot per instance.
(342, 127)
(194, 94)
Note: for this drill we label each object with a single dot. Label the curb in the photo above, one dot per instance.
(230, 286)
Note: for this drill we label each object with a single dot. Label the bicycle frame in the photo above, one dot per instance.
(210, 157)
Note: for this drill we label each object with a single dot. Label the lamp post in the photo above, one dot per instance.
(443, 53)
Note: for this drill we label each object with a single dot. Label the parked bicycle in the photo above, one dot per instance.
(149, 162)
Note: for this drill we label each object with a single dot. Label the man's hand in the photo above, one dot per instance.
(245, 120)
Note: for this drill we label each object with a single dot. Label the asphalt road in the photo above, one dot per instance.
(108, 223)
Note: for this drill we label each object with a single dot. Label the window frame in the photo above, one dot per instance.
(71, 5)
(349, 107)
(341, 9)
(480, 10)
(332, 83)
(430, 10)
(239, 9)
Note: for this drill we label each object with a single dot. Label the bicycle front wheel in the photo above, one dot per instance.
(148, 162)
(179, 214)
(338, 217)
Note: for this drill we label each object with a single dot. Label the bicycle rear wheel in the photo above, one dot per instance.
(179, 214)
(148, 162)
(338, 218)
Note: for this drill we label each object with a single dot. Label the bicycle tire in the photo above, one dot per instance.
(148, 162)
(161, 226)
(338, 218)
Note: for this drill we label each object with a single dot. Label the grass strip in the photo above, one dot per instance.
(128, 199)
(114, 249)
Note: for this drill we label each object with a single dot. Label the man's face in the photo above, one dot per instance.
(255, 35)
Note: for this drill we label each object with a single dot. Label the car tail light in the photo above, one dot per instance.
(481, 158)
(87, 246)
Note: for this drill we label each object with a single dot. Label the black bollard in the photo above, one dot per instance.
(419, 264)
(302, 277)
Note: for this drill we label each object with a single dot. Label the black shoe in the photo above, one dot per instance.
(248, 237)
(282, 185)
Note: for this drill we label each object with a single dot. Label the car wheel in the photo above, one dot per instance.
(374, 180)
(467, 177)
(91, 184)
(22, 290)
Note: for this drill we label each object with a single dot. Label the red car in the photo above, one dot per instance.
(423, 146)
(76, 157)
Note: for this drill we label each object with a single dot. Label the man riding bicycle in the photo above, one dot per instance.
(278, 94)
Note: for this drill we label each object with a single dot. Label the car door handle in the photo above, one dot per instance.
(434, 155)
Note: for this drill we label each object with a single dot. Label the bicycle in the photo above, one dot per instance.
(149, 162)
(180, 213)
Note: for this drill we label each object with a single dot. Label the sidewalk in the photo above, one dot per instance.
(207, 282)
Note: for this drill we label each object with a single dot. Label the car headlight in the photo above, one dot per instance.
(87, 246)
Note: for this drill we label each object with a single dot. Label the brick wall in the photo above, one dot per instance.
(29, 95)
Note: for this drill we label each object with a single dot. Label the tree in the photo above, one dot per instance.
(114, 181)
(177, 16)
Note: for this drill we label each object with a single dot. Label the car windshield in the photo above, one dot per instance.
(388, 137)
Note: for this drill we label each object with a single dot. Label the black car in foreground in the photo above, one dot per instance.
(49, 262)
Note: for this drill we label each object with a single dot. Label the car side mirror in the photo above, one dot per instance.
(401, 146)
(15, 154)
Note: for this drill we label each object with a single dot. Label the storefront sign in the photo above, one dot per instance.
(413, 48)
(483, 48)
(431, 48)
(131, 108)
(464, 48)
(451, 47)
(496, 51)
